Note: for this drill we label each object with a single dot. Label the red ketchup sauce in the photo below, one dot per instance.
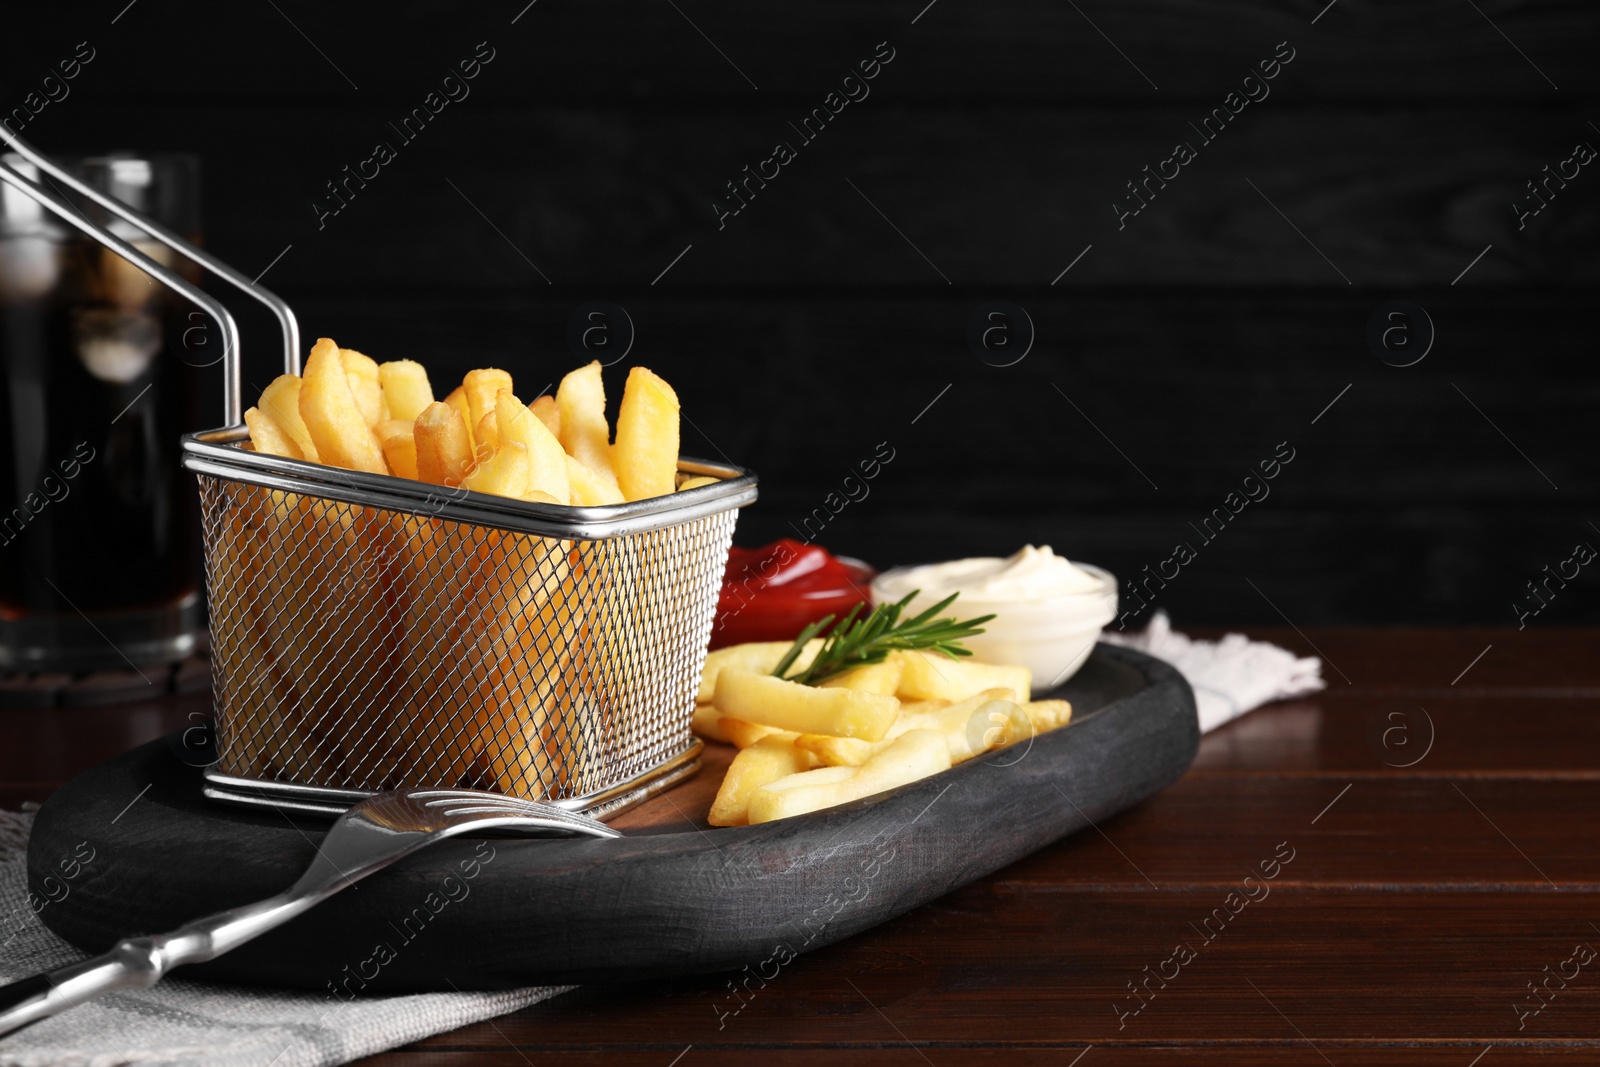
(770, 593)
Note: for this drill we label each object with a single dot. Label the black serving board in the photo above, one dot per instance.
(673, 896)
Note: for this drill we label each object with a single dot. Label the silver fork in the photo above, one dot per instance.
(367, 838)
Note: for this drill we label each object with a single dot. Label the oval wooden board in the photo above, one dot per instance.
(674, 896)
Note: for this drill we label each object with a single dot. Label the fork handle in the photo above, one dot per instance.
(140, 962)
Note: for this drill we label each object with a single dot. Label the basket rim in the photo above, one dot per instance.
(216, 453)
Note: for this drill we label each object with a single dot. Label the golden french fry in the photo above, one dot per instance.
(970, 728)
(545, 408)
(646, 451)
(509, 472)
(268, 437)
(758, 656)
(707, 723)
(995, 721)
(507, 729)
(406, 389)
(931, 675)
(398, 438)
(697, 482)
(743, 734)
(486, 435)
(874, 678)
(366, 383)
(588, 488)
(457, 399)
(761, 698)
(294, 670)
(914, 755)
(839, 751)
(1048, 714)
(581, 400)
(333, 417)
(517, 423)
(482, 386)
(443, 447)
(849, 752)
(281, 400)
(545, 718)
(753, 768)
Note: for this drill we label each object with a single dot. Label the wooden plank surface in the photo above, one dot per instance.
(997, 967)
(1539, 661)
(1289, 1051)
(1414, 907)
(46, 747)
(1413, 913)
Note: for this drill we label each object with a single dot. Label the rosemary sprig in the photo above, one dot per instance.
(859, 642)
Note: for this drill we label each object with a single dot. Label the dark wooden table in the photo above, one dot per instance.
(1439, 808)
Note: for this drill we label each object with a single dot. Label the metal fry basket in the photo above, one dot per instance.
(370, 632)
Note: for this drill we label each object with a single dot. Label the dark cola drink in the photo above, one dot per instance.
(99, 526)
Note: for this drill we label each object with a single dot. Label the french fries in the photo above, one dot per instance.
(752, 769)
(268, 437)
(741, 734)
(914, 755)
(545, 409)
(769, 701)
(486, 435)
(874, 678)
(588, 488)
(443, 446)
(517, 425)
(931, 676)
(1048, 714)
(508, 472)
(351, 411)
(646, 452)
(759, 656)
(430, 594)
(972, 727)
(990, 720)
(366, 383)
(457, 399)
(581, 401)
(406, 390)
(334, 417)
(707, 723)
(281, 402)
(399, 446)
(953, 710)
(482, 388)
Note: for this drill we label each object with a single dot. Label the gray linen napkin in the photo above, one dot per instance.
(179, 1022)
(1229, 677)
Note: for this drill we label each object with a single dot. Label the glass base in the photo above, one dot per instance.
(106, 640)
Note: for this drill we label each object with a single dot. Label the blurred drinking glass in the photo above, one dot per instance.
(99, 528)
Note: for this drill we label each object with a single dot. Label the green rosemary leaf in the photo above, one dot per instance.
(860, 641)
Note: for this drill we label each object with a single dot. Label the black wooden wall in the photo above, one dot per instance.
(1184, 346)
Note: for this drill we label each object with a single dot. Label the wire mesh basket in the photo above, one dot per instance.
(370, 633)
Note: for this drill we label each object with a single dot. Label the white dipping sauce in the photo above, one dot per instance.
(1047, 610)
(1030, 574)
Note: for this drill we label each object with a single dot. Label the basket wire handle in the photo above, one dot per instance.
(164, 274)
(285, 315)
